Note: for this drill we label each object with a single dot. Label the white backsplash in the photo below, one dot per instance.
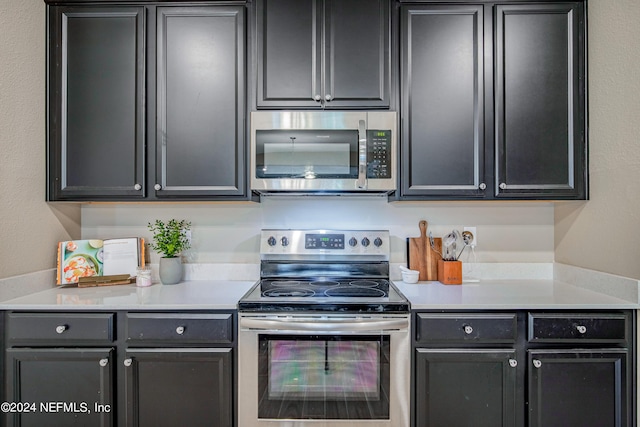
(229, 232)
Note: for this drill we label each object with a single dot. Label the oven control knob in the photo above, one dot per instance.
(284, 241)
(365, 242)
(353, 242)
(377, 242)
(271, 241)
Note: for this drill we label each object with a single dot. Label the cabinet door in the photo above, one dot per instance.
(68, 386)
(357, 53)
(96, 103)
(540, 101)
(200, 148)
(179, 387)
(289, 53)
(323, 53)
(579, 388)
(442, 141)
(466, 387)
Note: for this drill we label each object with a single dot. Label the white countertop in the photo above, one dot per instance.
(188, 295)
(224, 295)
(508, 295)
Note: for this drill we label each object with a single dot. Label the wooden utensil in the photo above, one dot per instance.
(421, 256)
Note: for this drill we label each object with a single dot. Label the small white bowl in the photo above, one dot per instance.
(410, 276)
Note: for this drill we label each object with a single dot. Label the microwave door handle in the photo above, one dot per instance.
(362, 155)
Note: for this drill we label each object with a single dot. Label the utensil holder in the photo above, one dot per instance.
(450, 272)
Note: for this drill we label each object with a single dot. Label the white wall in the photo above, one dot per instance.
(229, 233)
(604, 233)
(29, 227)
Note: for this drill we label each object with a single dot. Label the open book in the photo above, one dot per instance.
(82, 259)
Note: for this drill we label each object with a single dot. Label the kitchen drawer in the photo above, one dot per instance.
(578, 327)
(179, 328)
(41, 328)
(465, 328)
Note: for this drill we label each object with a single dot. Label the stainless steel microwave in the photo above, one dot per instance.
(323, 151)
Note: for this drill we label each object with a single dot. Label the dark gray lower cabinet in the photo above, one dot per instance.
(60, 387)
(466, 387)
(579, 388)
(173, 387)
(535, 369)
(160, 369)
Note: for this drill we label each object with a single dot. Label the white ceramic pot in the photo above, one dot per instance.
(170, 270)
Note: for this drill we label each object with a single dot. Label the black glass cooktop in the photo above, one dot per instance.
(341, 295)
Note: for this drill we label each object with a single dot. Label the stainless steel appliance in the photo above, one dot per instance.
(323, 151)
(324, 337)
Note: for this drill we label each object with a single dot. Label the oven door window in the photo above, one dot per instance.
(323, 377)
(307, 154)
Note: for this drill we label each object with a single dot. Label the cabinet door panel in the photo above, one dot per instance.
(77, 377)
(578, 388)
(539, 101)
(357, 53)
(443, 97)
(465, 387)
(96, 99)
(200, 142)
(180, 387)
(289, 49)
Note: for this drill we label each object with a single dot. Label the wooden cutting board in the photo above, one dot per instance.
(421, 257)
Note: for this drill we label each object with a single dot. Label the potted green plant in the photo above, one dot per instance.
(169, 240)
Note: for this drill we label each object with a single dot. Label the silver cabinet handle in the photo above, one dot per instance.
(104, 362)
(537, 363)
(137, 187)
(61, 328)
(157, 187)
(513, 363)
(180, 330)
(128, 362)
(582, 329)
(317, 98)
(503, 186)
(483, 186)
(328, 97)
(468, 330)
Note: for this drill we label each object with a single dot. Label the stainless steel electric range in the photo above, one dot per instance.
(324, 336)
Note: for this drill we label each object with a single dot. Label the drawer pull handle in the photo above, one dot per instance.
(128, 362)
(61, 328)
(582, 329)
(468, 330)
(180, 330)
(537, 363)
(513, 363)
(104, 362)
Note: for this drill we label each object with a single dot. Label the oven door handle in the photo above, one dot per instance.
(325, 325)
(362, 155)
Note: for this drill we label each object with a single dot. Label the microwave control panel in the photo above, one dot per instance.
(378, 154)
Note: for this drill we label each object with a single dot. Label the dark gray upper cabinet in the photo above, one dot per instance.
(96, 82)
(443, 147)
(200, 148)
(323, 53)
(493, 101)
(147, 102)
(540, 113)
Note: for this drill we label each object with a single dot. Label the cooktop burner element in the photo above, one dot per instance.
(326, 271)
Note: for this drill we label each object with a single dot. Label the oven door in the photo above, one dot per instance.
(335, 370)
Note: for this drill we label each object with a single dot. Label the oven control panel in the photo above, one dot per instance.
(318, 242)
